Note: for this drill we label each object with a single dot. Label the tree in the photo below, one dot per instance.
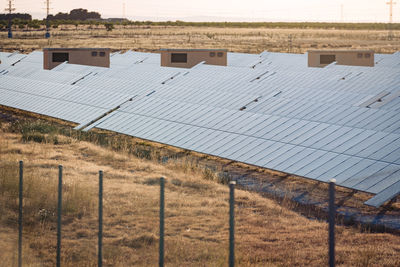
(125, 23)
(22, 16)
(76, 14)
(34, 24)
(109, 26)
(76, 24)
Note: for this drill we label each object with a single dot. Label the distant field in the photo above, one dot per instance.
(235, 39)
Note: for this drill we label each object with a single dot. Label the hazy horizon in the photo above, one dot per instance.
(225, 10)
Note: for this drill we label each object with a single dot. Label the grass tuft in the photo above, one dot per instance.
(220, 177)
(145, 240)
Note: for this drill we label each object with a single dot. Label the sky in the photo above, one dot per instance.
(224, 10)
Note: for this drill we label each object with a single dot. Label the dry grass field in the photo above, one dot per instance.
(247, 40)
(267, 233)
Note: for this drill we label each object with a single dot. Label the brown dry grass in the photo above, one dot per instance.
(248, 40)
(196, 215)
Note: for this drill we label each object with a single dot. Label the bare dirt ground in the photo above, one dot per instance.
(247, 40)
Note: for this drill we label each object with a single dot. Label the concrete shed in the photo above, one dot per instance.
(52, 57)
(322, 58)
(187, 58)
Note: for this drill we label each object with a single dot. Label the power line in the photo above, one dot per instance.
(391, 3)
(10, 9)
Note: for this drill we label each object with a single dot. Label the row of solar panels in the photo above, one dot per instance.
(268, 110)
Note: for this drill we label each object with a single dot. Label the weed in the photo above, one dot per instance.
(144, 240)
(219, 177)
(224, 178)
(176, 182)
(208, 174)
(152, 181)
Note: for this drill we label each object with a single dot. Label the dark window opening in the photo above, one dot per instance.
(94, 54)
(178, 58)
(102, 54)
(212, 54)
(359, 55)
(60, 57)
(368, 55)
(327, 59)
(220, 54)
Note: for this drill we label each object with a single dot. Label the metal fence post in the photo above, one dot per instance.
(100, 253)
(21, 176)
(332, 211)
(59, 208)
(161, 245)
(232, 223)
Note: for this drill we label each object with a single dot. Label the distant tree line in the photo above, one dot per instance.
(37, 24)
(22, 24)
(76, 14)
(22, 16)
(93, 19)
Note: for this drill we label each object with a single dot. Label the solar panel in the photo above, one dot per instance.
(267, 110)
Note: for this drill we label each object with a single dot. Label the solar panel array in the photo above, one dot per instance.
(268, 110)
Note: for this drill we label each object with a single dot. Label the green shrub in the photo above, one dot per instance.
(143, 153)
(35, 137)
(40, 138)
(39, 127)
(109, 26)
(25, 127)
(219, 177)
(208, 174)
(224, 178)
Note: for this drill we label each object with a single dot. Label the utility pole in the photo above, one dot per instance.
(10, 9)
(391, 3)
(47, 35)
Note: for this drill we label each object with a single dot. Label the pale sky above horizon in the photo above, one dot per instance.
(224, 10)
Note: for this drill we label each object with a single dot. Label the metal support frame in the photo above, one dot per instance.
(59, 210)
(232, 223)
(21, 178)
(100, 241)
(162, 207)
(332, 212)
